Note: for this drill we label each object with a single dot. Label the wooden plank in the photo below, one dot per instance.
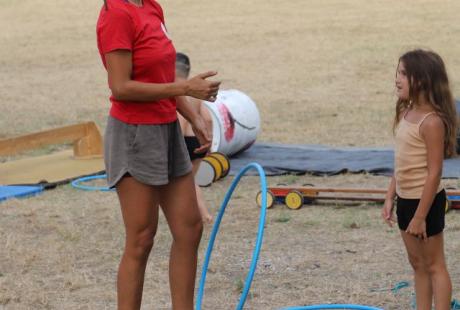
(52, 168)
(351, 198)
(86, 139)
(311, 190)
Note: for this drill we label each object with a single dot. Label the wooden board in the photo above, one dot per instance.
(282, 191)
(51, 168)
(85, 137)
(351, 194)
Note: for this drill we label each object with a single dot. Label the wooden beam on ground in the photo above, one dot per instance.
(85, 137)
(312, 191)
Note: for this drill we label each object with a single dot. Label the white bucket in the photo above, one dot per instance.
(236, 122)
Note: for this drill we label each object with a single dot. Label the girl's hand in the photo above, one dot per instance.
(417, 228)
(201, 132)
(387, 212)
(200, 88)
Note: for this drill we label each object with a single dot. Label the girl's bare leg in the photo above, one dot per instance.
(139, 207)
(179, 204)
(433, 249)
(205, 215)
(431, 275)
(422, 280)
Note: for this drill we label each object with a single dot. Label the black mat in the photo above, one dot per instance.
(279, 159)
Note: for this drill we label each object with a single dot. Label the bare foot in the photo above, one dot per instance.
(206, 217)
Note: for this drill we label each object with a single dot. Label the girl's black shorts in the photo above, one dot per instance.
(405, 210)
(192, 143)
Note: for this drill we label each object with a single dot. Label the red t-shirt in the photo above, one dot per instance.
(140, 30)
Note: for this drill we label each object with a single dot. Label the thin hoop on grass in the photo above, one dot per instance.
(215, 229)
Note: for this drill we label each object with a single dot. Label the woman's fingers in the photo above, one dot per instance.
(203, 89)
(207, 74)
(203, 148)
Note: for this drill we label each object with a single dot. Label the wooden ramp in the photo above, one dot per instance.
(85, 158)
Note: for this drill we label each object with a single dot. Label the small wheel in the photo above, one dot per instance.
(217, 166)
(225, 162)
(294, 200)
(270, 199)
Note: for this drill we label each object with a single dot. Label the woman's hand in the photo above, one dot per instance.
(201, 132)
(200, 88)
(387, 212)
(417, 228)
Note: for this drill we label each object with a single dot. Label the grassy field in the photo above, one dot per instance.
(320, 72)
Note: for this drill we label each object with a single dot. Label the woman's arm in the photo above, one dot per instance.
(190, 110)
(119, 69)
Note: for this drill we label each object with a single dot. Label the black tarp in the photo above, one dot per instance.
(278, 159)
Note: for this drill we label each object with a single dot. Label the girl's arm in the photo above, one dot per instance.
(432, 131)
(119, 69)
(388, 206)
(391, 192)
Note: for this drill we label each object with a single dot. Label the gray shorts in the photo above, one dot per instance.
(152, 154)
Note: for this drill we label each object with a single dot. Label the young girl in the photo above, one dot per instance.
(425, 129)
(145, 155)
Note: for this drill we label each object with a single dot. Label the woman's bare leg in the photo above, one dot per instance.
(139, 207)
(178, 202)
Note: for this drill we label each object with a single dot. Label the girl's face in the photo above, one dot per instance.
(401, 82)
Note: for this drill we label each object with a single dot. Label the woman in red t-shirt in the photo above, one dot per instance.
(145, 155)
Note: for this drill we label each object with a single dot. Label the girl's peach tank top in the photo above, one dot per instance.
(411, 167)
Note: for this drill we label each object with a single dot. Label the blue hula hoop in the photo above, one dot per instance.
(333, 306)
(215, 229)
(77, 183)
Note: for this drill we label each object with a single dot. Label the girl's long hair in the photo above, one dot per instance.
(105, 5)
(427, 76)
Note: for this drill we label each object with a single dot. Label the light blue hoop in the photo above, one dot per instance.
(215, 229)
(77, 183)
(333, 306)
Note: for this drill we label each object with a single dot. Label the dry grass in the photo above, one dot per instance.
(61, 251)
(319, 71)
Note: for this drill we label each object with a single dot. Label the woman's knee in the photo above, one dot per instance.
(139, 245)
(190, 232)
(195, 230)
